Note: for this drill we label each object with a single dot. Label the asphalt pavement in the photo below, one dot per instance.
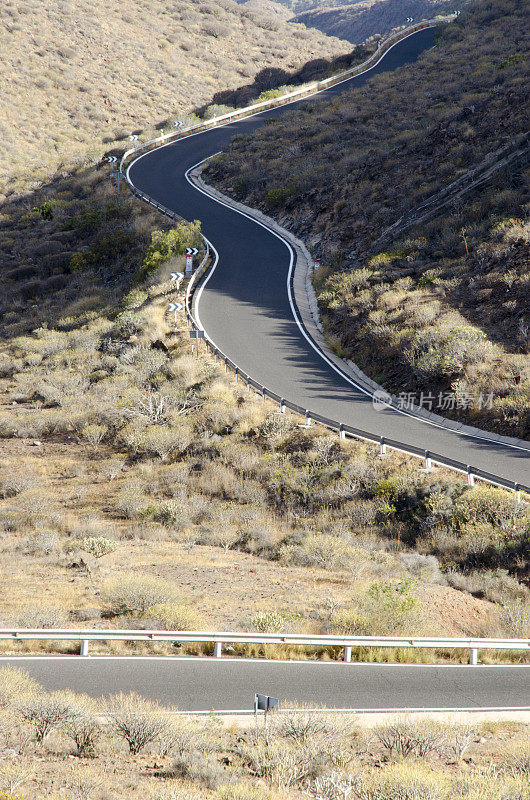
(200, 684)
(245, 308)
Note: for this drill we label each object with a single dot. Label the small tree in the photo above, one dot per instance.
(515, 615)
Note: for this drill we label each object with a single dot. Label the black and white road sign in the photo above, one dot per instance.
(178, 123)
(112, 159)
(410, 19)
(133, 137)
(191, 251)
(177, 276)
(175, 307)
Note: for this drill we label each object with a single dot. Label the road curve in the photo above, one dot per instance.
(245, 306)
(200, 684)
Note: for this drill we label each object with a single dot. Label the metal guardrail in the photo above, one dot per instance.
(220, 638)
(429, 457)
(284, 99)
(344, 430)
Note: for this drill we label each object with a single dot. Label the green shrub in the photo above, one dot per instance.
(166, 244)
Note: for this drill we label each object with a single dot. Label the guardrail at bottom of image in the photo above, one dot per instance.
(218, 639)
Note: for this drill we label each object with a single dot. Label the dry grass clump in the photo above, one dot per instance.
(439, 313)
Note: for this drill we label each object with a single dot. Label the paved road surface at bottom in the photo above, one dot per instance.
(197, 684)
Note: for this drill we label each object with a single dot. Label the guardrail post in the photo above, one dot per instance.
(428, 462)
(382, 447)
(83, 650)
(470, 477)
(473, 656)
(347, 653)
(342, 432)
(282, 406)
(307, 420)
(217, 649)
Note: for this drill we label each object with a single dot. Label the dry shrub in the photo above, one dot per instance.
(14, 684)
(137, 593)
(404, 737)
(516, 758)
(138, 721)
(174, 617)
(84, 726)
(46, 711)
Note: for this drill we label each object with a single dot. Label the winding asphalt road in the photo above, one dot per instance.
(245, 308)
(200, 684)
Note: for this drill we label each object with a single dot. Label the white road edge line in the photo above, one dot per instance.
(295, 315)
(299, 323)
(243, 712)
(276, 661)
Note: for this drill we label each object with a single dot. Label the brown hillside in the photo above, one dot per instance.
(77, 74)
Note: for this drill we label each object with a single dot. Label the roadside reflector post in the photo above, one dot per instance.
(428, 461)
(473, 656)
(263, 393)
(217, 649)
(282, 406)
(307, 420)
(237, 375)
(83, 650)
(382, 447)
(226, 364)
(470, 477)
(347, 653)
(342, 432)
